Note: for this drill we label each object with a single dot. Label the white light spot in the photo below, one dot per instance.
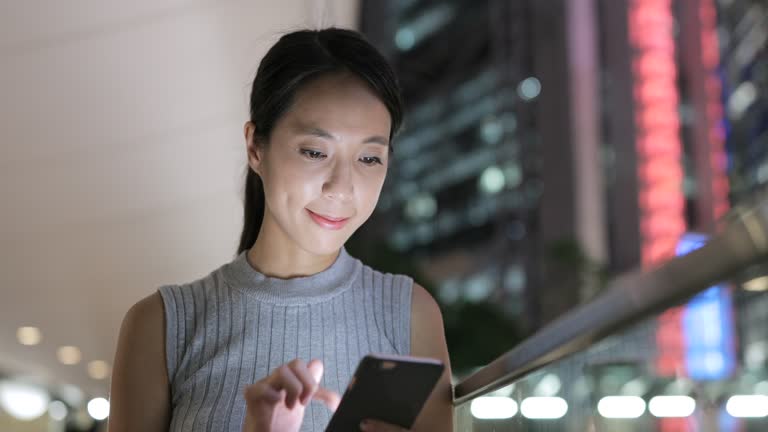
(741, 99)
(23, 401)
(493, 407)
(423, 206)
(757, 284)
(621, 406)
(405, 39)
(544, 407)
(514, 279)
(529, 88)
(492, 180)
(98, 369)
(29, 335)
(672, 406)
(748, 406)
(491, 131)
(478, 288)
(57, 410)
(98, 408)
(69, 355)
(548, 386)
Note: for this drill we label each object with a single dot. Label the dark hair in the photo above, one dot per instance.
(296, 59)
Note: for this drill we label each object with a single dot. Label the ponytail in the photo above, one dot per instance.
(253, 206)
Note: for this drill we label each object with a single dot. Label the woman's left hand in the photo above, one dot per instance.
(370, 425)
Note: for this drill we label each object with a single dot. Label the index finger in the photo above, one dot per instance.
(330, 398)
(308, 382)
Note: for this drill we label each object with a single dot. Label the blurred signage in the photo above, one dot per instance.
(707, 326)
(658, 147)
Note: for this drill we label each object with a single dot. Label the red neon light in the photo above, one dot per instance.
(660, 174)
(710, 59)
(655, 142)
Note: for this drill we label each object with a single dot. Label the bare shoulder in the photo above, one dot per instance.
(145, 316)
(428, 340)
(140, 394)
(424, 308)
(143, 328)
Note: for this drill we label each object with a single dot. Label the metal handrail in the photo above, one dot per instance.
(629, 299)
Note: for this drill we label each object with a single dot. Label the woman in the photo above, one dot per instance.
(268, 341)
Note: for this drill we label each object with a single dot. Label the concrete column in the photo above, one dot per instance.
(572, 201)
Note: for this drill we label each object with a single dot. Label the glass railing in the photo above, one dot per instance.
(683, 347)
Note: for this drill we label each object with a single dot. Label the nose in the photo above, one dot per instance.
(339, 185)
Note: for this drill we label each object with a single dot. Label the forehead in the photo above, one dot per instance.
(340, 104)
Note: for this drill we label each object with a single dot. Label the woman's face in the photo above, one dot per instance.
(325, 163)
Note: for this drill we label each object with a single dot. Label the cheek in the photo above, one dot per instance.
(370, 189)
(294, 185)
(300, 189)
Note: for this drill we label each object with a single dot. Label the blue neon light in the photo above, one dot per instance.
(708, 328)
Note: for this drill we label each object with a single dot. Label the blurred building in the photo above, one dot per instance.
(551, 143)
(486, 191)
(463, 186)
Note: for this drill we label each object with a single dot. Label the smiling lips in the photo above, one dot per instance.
(328, 222)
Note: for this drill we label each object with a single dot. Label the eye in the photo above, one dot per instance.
(370, 160)
(313, 154)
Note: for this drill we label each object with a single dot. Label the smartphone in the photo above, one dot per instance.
(388, 388)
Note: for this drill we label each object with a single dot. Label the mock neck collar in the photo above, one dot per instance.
(293, 291)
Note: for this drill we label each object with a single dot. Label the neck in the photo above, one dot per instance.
(275, 255)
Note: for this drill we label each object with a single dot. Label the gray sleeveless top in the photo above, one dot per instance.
(234, 326)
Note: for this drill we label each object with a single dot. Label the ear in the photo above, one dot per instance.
(254, 149)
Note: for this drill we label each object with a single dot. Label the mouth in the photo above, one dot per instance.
(327, 221)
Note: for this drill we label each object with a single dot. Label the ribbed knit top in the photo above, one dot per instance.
(234, 326)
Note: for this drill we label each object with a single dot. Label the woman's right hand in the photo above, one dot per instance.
(277, 402)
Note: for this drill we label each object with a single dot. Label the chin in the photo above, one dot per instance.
(323, 244)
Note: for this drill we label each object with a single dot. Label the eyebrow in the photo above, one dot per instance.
(320, 133)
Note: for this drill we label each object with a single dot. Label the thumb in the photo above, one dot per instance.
(315, 368)
(330, 398)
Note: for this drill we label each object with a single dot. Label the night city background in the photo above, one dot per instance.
(549, 146)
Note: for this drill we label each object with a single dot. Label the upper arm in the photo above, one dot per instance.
(140, 394)
(428, 340)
